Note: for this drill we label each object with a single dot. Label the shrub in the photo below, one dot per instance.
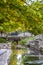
(3, 40)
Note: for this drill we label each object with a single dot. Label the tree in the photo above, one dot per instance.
(14, 15)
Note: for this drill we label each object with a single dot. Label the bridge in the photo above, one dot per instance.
(12, 38)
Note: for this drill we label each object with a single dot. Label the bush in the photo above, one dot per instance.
(14, 43)
(12, 46)
(25, 40)
(29, 58)
(3, 40)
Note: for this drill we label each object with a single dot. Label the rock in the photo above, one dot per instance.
(40, 37)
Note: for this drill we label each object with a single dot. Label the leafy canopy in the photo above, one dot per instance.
(15, 15)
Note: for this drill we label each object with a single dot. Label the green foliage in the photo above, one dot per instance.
(29, 58)
(3, 40)
(14, 43)
(13, 46)
(14, 15)
(25, 40)
(13, 58)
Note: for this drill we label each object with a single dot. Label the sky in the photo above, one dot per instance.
(29, 1)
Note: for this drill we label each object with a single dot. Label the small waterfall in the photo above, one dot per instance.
(19, 57)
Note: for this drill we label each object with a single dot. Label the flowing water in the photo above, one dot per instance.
(17, 56)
